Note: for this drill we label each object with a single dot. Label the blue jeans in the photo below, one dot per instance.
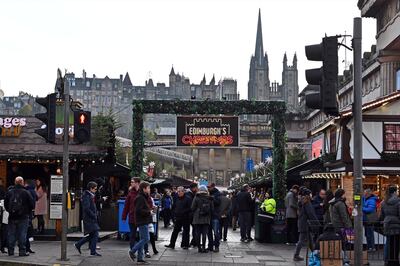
(92, 238)
(17, 230)
(132, 235)
(369, 235)
(213, 234)
(144, 238)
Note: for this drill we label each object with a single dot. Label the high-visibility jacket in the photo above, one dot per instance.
(269, 206)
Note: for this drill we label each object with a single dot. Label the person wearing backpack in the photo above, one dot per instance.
(19, 204)
(202, 207)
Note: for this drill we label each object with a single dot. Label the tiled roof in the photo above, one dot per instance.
(30, 145)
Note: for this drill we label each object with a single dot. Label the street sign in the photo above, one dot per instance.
(56, 192)
(207, 131)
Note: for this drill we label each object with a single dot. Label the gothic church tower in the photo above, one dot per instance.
(258, 86)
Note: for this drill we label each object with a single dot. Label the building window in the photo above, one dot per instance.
(88, 83)
(392, 137)
(398, 79)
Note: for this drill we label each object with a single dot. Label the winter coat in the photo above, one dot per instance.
(306, 213)
(166, 202)
(291, 204)
(190, 195)
(269, 206)
(200, 199)
(89, 213)
(319, 210)
(129, 207)
(216, 197)
(234, 211)
(243, 202)
(142, 210)
(225, 207)
(182, 208)
(390, 214)
(369, 207)
(41, 203)
(340, 217)
(27, 202)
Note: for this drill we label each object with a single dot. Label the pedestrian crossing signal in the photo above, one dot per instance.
(82, 126)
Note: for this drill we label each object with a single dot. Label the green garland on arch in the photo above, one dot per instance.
(214, 107)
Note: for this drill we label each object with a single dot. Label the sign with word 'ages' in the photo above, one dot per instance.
(207, 131)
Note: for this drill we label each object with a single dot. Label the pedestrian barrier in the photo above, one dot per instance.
(328, 246)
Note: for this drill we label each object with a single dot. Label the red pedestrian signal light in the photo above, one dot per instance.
(82, 119)
(82, 126)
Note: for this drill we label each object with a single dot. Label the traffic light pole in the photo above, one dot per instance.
(357, 147)
(64, 221)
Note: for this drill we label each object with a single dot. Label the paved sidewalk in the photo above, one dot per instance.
(115, 252)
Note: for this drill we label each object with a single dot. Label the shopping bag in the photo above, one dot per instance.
(314, 259)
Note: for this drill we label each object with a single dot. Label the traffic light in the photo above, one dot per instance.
(49, 118)
(82, 126)
(323, 81)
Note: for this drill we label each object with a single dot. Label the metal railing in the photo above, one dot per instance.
(326, 243)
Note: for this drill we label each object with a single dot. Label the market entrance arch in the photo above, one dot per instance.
(215, 107)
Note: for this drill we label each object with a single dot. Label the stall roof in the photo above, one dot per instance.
(29, 145)
(174, 181)
(107, 169)
(309, 166)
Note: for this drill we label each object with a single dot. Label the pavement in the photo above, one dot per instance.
(115, 252)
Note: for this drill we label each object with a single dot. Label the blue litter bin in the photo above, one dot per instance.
(123, 226)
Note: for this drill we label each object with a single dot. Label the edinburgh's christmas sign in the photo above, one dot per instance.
(207, 131)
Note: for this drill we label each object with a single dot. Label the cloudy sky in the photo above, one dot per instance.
(147, 37)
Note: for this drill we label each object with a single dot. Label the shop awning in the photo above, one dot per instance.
(324, 176)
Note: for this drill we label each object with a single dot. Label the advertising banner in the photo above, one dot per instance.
(207, 131)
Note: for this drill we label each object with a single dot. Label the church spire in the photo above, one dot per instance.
(295, 60)
(259, 52)
(172, 73)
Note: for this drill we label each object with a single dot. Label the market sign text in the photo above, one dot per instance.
(207, 131)
(11, 126)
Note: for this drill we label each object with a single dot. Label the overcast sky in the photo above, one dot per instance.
(147, 37)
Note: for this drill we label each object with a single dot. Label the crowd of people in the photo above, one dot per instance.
(203, 215)
(19, 205)
(326, 216)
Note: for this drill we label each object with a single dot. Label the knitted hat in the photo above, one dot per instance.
(203, 188)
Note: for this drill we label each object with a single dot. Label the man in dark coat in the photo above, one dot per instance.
(129, 208)
(214, 230)
(224, 210)
(306, 213)
(193, 188)
(181, 209)
(90, 223)
(19, 203)
(317, 203)
(243, 204)
(30, 186)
